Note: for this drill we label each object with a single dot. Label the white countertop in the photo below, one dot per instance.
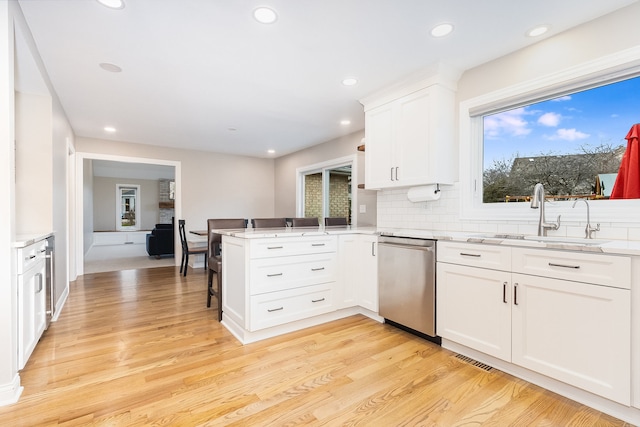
(23, 240)
(259, 233)
(614, 247)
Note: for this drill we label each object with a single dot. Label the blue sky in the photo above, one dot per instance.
(562, 125)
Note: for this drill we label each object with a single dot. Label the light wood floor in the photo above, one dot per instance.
(139, 347)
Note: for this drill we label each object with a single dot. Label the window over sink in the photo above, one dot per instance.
(565, 130)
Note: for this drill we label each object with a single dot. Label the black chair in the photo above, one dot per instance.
(305, 222)
(186, 250)
(215, 256)
(268, 222)
(329, 221)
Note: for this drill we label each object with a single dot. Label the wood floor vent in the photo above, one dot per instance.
(474, 362)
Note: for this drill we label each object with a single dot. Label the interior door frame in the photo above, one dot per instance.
(79, 197)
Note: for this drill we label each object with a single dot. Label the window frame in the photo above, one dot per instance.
(119, 188)
(611, 68)
(324, 167)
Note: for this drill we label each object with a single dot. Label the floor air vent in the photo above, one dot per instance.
(474, 362)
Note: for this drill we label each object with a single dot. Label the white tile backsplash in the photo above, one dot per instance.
(396, 211)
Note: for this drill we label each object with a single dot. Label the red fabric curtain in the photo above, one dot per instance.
(627, 184)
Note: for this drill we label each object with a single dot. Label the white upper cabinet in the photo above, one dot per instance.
(410, 137)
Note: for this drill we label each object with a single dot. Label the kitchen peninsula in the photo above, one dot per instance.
(281, 280)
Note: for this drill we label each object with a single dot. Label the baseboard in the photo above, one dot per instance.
(10, 392)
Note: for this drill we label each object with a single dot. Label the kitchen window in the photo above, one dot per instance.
(521, 134)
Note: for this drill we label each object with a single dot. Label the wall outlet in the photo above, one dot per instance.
(363, 208)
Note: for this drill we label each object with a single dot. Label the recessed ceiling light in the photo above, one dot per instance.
(538, 31)
(112, 4)
(271, 151)
(349, 81)
(265, 15)
(345, 122)
(113, 68)
(109, 129)
(441, 30)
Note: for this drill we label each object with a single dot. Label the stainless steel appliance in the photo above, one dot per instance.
(49, 282)
(407, 286)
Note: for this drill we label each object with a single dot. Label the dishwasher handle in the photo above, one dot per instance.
(413, 247)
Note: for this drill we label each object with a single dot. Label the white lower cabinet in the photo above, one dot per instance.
(471, 309)
(31, 299)
(572, 331)
(358, 276)
(367, 272)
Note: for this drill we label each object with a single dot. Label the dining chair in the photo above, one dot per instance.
(305, 222)
(329, 221)
(268, 222)
(215, 256)
(186, 250)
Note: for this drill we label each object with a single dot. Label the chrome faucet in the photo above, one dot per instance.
(588, 230)
(537, 202)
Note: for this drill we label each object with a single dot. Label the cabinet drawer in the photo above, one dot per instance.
(607, 270)
(276, 274)
(30, 255)
(276, 308)
(475, 254)
(285, 246)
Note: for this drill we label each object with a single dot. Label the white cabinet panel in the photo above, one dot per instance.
(409, 140)
(367, 268)
(475, 254)
(474, 308)
(574, 332)
(599, 269)
(276, 308)
(276, 274)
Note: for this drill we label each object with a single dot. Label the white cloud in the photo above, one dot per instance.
(550, 119)
(569, 135)
(562, 99)
(510, 123)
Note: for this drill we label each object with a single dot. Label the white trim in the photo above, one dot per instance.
(614, 66)
(80, 157)
(322, 167)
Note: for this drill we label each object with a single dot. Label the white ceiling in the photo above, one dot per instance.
(204, 75)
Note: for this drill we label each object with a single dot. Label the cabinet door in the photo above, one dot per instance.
(379, 166)
(368, 272)
(31, 311)
(412, 120)
(348, 276)
(574, 332)
(474, 308)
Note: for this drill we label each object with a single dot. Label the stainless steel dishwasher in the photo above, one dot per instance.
(407, 285)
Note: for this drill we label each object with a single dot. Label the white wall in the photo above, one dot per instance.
(60, 137)
(104, 202)
(606, 35)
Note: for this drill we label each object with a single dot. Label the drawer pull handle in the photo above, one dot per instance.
(274, 275)
(473, 255)
(274, 247)
(317, 269)
(515, 294)
(271, 310)
(317, 300)
(317, 244)
(551, 264)
(504, 292)
(29, 257)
